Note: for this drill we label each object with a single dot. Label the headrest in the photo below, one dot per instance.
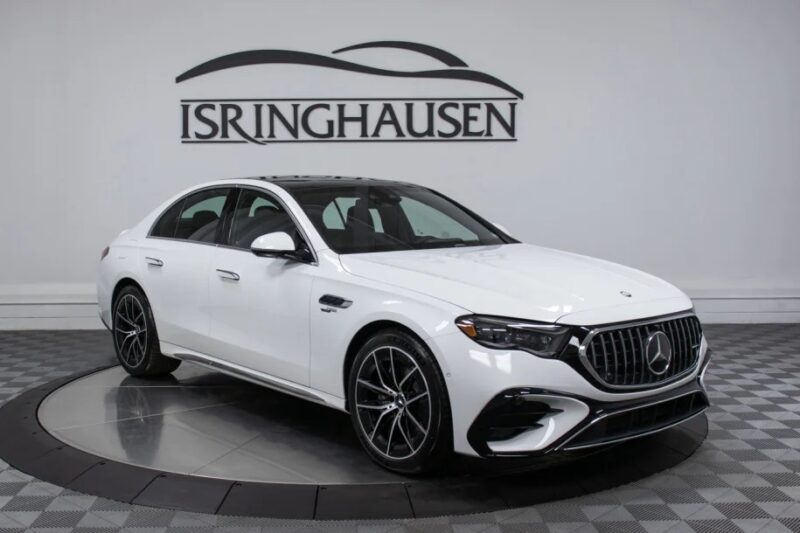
(263, 210)
(356, 212)
(201, 218)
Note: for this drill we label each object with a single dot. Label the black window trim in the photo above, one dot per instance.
(182, 199)
(223, 234)
(225, 242)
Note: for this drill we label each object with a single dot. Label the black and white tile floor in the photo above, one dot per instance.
(743, 478)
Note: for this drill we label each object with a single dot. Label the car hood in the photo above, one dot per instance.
(524, 281)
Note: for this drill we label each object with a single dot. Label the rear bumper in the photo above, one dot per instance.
(530, 416)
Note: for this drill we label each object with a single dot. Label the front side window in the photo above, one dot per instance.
(257, 214)
(388, 217)
(195, 218)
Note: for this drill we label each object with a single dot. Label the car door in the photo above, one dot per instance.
(259, 306)
(175, 266)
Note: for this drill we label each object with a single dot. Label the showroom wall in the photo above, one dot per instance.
(662, 135)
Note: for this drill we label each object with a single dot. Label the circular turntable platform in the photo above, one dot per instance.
(202, 441)
(208, 424)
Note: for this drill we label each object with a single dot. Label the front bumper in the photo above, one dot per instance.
(509, 427)
(537, 405)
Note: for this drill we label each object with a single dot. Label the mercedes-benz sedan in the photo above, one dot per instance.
(435, 329)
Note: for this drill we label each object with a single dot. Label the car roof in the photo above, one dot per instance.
(310, 181)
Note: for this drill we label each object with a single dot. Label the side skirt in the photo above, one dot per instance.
(253, 376)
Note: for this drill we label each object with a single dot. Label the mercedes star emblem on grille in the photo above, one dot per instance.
(658, 353)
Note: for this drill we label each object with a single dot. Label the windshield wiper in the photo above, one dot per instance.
(429, 241)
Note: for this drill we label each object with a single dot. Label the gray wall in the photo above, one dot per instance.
(662, 135)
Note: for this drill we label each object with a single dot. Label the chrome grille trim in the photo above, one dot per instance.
(615, 355)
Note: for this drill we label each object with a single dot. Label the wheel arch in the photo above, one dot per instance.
(365, 333)
(123, 282)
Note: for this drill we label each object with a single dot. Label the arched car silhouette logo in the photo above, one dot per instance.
(262, 121)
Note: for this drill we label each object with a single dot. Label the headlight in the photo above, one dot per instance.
(544, 340)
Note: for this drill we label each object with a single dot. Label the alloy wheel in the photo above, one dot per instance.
(130, 330)
(393, 402)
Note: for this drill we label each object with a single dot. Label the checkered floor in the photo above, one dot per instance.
(743, 478)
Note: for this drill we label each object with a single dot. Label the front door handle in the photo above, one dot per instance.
(227, 274)
(332, 300)
(154, 261)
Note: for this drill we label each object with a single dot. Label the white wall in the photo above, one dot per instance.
(663, 135)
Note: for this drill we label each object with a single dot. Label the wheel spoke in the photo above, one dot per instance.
(141, 344)
(405, 437)
(374, 407)
(394, 372)
(377, 423)
(124, 319)
(410, 373)
(129, 352)
(124, 342)
(132, 354)
(380, 375)
(416, 422)
(417, 397)
(133, 345)
(372, 387)
(391, 433)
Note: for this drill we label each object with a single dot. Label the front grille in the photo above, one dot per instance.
(617, 356)
(630, 423)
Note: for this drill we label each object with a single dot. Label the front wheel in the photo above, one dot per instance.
(399, 405)
(135, 338)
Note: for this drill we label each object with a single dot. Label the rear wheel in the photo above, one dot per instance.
(398, 404)
(135, 337)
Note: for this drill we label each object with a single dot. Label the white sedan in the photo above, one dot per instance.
(435, 329)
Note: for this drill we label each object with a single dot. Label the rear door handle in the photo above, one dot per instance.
(154, 261)
(227, 274)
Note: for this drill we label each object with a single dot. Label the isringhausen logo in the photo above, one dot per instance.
(368, 118)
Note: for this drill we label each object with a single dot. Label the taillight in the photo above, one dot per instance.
(104, 253)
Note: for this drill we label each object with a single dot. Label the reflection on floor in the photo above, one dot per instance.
(744, 477)
(203, 422)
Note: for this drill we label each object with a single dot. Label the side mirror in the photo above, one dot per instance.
(275, 244)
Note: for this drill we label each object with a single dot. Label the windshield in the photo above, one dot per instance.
(389, 217)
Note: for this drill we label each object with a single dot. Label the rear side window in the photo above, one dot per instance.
(195, 218)
(166, 225)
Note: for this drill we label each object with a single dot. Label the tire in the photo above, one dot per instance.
(135, 337)
(399, 405)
